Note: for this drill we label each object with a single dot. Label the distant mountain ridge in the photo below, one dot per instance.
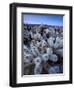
(44, 25)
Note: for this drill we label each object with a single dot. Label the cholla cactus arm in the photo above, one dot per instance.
(45, 57)
(58, 43)
(35, 51)
(28, 58)
(44, 43)
(38, 67)
(53, 69)
(26, 50)
(38, 44)
(61, 43)
(51, 42)
(49, 51)
(59, 52)
(53, 58)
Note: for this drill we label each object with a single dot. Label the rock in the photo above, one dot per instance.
(29, 69)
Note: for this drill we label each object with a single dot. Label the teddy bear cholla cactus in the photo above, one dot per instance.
(54, 69)
(38, 66)
(41, 47)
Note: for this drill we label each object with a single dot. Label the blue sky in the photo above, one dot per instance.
(56, 20)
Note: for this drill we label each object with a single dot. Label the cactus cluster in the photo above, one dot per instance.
(42, 49)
